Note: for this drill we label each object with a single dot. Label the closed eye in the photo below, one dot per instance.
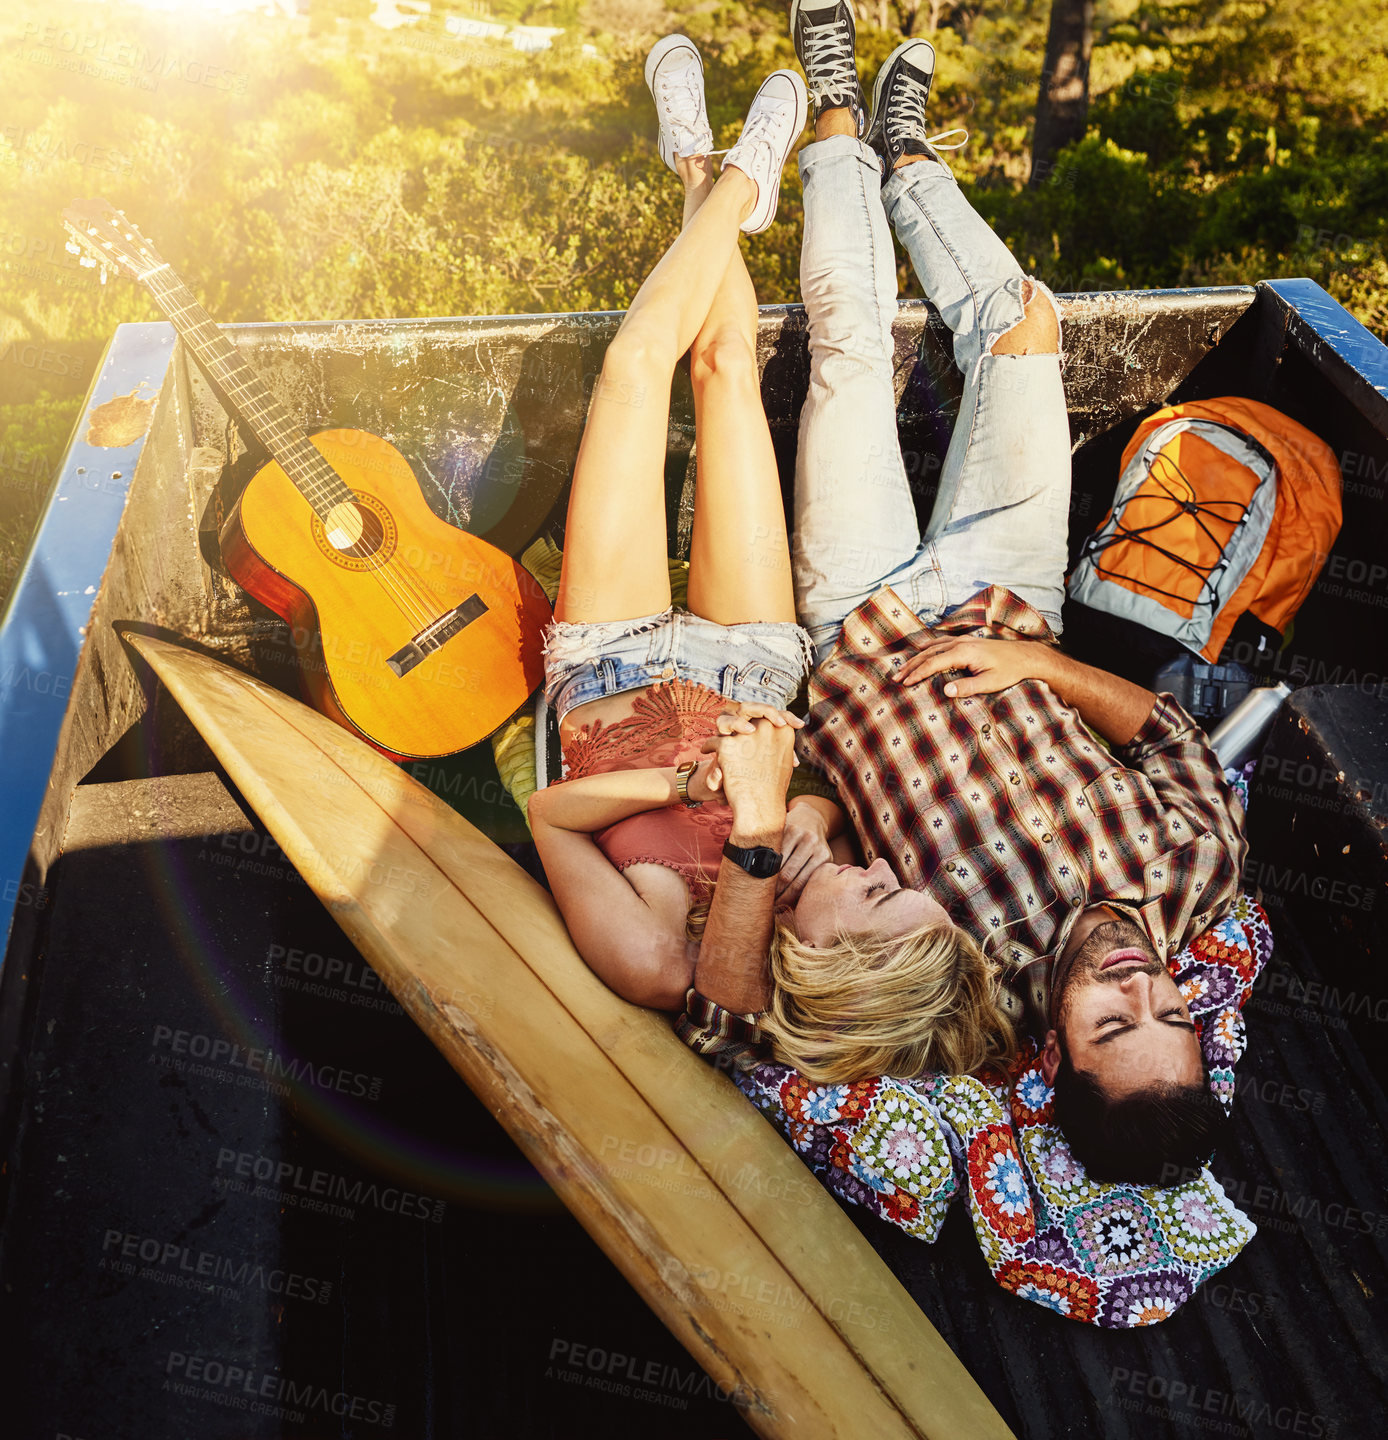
(873, 889)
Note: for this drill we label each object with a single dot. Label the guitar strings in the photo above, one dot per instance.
(408, 605)
(409, 596)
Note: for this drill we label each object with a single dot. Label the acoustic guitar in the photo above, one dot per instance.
(420, 637)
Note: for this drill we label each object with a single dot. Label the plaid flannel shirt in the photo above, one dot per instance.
(1005, 808)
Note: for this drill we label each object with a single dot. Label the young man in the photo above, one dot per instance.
(983, 801)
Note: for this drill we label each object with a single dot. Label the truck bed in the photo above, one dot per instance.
(243, 1195)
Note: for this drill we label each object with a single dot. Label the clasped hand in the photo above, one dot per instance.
(749, 760)
(749, 763)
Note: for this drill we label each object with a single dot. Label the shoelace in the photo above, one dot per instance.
(754, 131)
(906, 110)
(829, 61)
(682, 93)
(934, 140)
(906, 105)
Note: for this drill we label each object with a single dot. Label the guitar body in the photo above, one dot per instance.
(362, 588)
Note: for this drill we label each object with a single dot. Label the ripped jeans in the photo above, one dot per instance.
(1002, 511)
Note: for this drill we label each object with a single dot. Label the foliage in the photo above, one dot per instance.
(1227, 143)
(32, 438)
(324, 168)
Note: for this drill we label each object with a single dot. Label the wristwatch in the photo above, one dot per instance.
(761, 862)
(682, 778)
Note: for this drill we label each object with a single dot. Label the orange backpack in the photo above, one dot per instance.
(1223, 506)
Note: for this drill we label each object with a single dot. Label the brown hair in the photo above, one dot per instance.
(1161, 1135)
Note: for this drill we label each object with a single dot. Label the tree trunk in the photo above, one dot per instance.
(1062, 104)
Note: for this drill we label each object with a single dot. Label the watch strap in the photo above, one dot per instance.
(682, 777)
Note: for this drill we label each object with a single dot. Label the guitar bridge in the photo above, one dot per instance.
(438, 633)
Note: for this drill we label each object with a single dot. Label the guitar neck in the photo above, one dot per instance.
(253, 402)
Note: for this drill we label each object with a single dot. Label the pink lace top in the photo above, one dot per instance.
(667, 726)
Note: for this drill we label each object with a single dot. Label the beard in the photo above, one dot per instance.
(1087, 962)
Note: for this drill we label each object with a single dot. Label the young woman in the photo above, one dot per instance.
(633, 839)
(897, 967)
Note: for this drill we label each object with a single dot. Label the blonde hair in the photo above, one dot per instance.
(696, 920)
(900, 1005)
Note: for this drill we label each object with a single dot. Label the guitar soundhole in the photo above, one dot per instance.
(357, 535)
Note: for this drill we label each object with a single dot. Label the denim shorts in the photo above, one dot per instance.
(765, 661)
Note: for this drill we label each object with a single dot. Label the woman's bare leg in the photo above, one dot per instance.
(739, 560)
(615, 541)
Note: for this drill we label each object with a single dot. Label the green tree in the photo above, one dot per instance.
(325, 168)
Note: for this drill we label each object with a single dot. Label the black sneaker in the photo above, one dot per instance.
(823, 36)
(898, 123)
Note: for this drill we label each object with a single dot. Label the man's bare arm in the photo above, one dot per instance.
(732, 967)
(1112, 707)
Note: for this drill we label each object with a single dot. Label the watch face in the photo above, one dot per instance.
(765, 863)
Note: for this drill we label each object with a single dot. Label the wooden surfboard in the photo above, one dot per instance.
(691, 1193)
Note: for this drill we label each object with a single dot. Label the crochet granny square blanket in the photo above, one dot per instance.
(1115, 1255)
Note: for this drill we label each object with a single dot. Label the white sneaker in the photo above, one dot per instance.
(774, 122)
(675, 76)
